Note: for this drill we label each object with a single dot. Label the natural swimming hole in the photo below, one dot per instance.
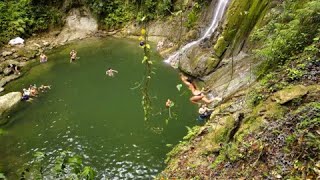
(99, 118)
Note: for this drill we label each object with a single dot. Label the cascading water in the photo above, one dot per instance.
(218, 14)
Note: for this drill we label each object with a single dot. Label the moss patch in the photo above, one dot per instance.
(241, 18)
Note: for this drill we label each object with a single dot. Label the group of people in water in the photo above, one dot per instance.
(33, 91)
(198, 97)
(73, 56)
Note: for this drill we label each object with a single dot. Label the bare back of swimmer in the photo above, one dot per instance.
(187, 81)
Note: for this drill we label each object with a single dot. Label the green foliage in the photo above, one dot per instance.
(292, 28)
(110, 13)
(193, 15)
(255, 98)
(87, 173)
(191, 132)
(294, 73)
(21, 18)
(305, 139)
(179, 86)
(66, 165)
(2, 176)
(114, 13)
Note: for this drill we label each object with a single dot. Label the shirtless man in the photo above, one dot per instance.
(43, 58)
(73, 55)
(110, 72)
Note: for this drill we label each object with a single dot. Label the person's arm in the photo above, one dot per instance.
(115, 71)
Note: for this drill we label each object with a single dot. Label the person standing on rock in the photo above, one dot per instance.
(73, 55)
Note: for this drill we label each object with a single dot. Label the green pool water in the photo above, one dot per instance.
(95, 116)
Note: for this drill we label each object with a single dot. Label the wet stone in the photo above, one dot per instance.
(6, 53)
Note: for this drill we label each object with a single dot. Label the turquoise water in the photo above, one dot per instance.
(96, 116)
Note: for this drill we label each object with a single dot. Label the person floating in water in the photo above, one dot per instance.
(110, 72)
(73, 55)
(168, 103)
(25, 95)
(43, 58)
(33, 90)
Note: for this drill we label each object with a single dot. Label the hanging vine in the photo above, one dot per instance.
(146, 100)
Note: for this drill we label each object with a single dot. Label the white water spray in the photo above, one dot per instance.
(218, 14)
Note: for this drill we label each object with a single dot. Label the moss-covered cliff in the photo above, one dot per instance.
(270, 130)
(241, 18)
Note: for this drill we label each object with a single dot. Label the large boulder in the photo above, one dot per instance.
(198, 62)
(6, 79)
(290, 93)
(8, 101)
(80, 23)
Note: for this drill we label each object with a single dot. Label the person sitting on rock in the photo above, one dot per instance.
(14, 68)
(204, 112)
(198, 95)
(43, 58)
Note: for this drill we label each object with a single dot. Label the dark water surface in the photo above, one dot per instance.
(98, 117)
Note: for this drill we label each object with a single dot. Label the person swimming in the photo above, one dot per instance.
(168, 103)
(33, 90)
(110, 72)
(25, 94)
(43, 58)
(73, 55)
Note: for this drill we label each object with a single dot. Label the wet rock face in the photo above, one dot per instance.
(79, 24)
(8, 101)
(198, 62)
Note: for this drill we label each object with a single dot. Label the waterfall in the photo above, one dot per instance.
(218, 14)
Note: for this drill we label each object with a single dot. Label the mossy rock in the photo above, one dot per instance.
(241, 18)
(169, 51)
(191, 35)
(220, 46)
(219, 134)
(28, 53)
(289, 94)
